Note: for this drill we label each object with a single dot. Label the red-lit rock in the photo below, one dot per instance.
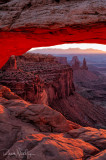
(27, 24)
(6, 93)
(99, 156)
(91, 135)
(41, 116)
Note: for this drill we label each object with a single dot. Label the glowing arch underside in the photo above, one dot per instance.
(24, 26)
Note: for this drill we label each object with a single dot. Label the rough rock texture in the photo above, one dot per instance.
(80, 110)
(64, 22)
(33, 13)
(41, 116)
(25, 133)
(39, 79)
(32, 57)
(6, 93)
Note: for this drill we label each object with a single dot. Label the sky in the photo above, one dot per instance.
(71, 48)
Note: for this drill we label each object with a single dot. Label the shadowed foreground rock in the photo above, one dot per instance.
(26, 134)
(41, 116)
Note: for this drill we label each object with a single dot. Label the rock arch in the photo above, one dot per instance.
(45, 25)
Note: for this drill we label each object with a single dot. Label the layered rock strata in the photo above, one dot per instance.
(39, 79)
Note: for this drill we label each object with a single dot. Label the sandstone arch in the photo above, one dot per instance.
(45, 24)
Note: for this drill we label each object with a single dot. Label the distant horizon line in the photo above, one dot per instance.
(66, 53)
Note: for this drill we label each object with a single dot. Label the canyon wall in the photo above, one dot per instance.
(38, 78)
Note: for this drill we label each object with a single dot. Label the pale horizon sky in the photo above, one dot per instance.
(71, 48)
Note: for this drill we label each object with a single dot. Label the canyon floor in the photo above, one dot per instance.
(42, 116)
(93, 87)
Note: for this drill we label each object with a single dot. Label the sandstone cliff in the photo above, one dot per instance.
(39, 78)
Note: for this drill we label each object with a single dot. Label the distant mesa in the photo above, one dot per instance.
(76, 64)
(74, 59)
(84, 65)
(81, 72)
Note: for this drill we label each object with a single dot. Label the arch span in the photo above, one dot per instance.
(22, 28)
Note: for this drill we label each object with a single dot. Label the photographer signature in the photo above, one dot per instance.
(18, 153)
